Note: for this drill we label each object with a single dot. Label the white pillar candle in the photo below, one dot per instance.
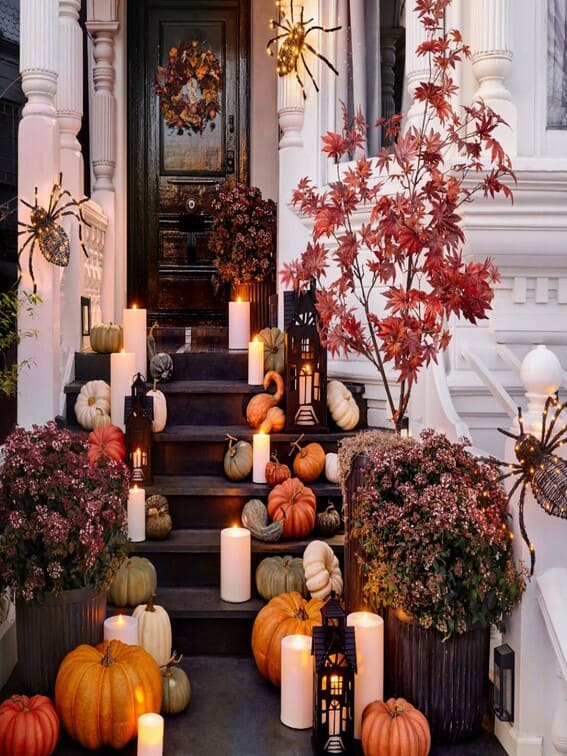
(235, 570)
(135, 337)
(137, 514)
(238, 324)
(260, 456)
(296, 705)
(122, 371)
(255, 362)
(122, 627)
(150, 735)
(369, 678)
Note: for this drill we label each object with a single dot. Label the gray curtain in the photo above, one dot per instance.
(557, 64)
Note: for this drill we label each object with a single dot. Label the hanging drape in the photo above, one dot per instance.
(557, 64)
(358, 54)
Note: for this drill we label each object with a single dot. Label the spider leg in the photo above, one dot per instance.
(549, 439)
(520, 421)
(544, 418)
(321, 57)
(27, 204)
(518, 471)
(321, 28)
(309, 72)
(81, 242)
(27, 241)
(27, 227)
(271, 42)
(523, 528)
(509, 434)
(30, 265)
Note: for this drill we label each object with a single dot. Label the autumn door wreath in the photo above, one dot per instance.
(188, 86)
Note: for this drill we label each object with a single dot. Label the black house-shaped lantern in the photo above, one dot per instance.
(306, 369)
(139, 433)
(334, 649)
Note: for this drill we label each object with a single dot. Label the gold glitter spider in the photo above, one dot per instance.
(294, 44)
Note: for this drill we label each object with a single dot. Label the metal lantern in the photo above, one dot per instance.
(334, 649)
(504, 683)
(139, 434)
(306, 369)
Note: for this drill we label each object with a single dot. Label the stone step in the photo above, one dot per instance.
(201, 501)
(191, 558)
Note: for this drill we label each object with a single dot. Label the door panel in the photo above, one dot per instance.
(175, 172)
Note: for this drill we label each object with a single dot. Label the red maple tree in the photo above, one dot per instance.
(394, 225)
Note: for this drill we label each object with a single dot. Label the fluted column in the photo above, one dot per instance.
(39, 386)
(103, 148)
(416, 67)
(492, 56)
(69, 102)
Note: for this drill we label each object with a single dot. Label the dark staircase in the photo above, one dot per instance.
(206, 400)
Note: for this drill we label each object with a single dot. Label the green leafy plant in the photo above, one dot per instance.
(393, 225)
(12, 303)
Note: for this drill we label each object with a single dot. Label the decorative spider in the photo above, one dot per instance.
(50, 236)
(540, 468)
(294, 36)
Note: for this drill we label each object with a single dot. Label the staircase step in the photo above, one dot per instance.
(210, 365)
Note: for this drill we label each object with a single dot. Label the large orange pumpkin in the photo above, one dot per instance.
(394, 728)
(286, 614)
(294, 504)
(28, 726)
(107, 441)
(100, 692)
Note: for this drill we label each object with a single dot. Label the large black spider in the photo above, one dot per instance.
(540, 468)
(51, 237)
(294, 35)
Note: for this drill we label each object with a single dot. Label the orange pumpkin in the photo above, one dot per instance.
(107, 441)
(394, 728)
(276, 471)
(286, 614)
(100, 692)
(28, 726)
(309, 462)
(295, 505)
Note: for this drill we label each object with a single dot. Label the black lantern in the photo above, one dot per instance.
(334, 649)
(305, 369)
(504, 683)
(139, 433)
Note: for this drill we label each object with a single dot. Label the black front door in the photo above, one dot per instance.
(185, 141)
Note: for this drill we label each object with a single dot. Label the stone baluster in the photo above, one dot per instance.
(492, 62)
(103, 27)
(69, 101)
(38, 166)
(559, 725)
(388, 42)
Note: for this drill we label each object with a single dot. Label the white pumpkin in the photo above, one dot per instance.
(322, 570)
(332, 467)
(154, 631)
(93, 396)
(342, 405)
(160, 408)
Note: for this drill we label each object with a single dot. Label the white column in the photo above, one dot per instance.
(69, 115)
(103, 147)
(416, 67)
(492, 62)
(559, 725)
(38, 166)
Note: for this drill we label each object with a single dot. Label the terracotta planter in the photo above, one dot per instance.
(447, 681)
(258, 294)
(49, 627)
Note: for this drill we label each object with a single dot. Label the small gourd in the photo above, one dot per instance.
(274, 422)
(328, 522)
(332, 472)
(161, 364)
(158, 520)
(275, 575)
(238, 459)
(176, 686)
(106, 338)
(342, 405)
(322, 570)
(106, 441)
(101, 419)
(276, 471)
(154, 630)
(255, 518)
(134, 583)
(259, 404)
(309, 462)
(29, 726)
(274, 349)
(93, 395)
(160, 408)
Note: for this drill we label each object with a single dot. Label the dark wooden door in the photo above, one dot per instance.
(178, 158)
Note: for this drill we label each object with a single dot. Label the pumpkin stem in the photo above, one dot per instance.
(21, 701)
(155, 385)
(175, 658)
(296, 443)
(150, 605)
(397, 710)
(107, 659)
(301, 614)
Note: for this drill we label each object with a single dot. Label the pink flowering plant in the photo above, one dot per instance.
(386, 248)
(243, 237)
(62, 520)
(433, 526)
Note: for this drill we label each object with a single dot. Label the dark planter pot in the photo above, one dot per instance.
(258, 294)
(447, 681)
(49, 627)
(353, 572)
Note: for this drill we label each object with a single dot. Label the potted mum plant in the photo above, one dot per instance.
(389, 226)
(435, 553)
(62, 539)
(243, 245)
